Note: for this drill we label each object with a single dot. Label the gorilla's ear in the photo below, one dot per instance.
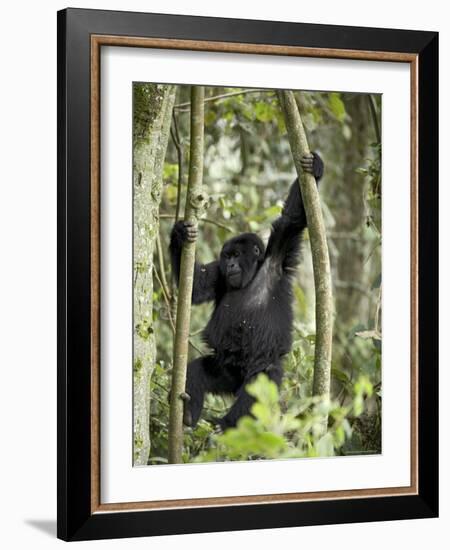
(256, 250)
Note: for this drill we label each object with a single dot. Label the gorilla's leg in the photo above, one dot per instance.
(204, 376)
(244, 401)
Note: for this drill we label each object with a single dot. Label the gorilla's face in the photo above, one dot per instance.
(240, 259)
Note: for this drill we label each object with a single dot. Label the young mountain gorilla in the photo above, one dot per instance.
(250, 328)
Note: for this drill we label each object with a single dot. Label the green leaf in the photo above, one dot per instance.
(272, 211)
(264, 390)
(170, 171)
(336, 105)
(340, 375)
(358, 405)
(301, 298)
(263, 112)
(324, 446)
(262, 412)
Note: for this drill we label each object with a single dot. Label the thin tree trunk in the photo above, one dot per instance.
(319, 248)
(194, 201)
(152, 111)
(349, 203)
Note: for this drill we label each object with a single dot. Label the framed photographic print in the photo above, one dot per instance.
(247, 286)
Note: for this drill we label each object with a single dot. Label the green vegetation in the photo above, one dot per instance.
(248, 167)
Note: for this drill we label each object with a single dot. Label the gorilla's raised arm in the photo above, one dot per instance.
(285, 239)
(206, 276)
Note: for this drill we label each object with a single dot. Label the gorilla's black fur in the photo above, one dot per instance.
(250, 328)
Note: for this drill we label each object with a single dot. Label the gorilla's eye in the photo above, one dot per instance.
(237, 254)
(256, 250)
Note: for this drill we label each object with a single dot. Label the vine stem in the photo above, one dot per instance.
(194, 201)
(319, 250)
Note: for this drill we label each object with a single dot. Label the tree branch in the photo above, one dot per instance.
(222, 96)
(169, 312)
(177, 142)
(206, 220)
(152, 111)
(194, 201)
(162, 268)
(373, 112)
(319, 248)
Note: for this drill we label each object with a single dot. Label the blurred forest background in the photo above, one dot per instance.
(248, 169)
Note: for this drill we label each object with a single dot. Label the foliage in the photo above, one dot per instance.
(292, 433)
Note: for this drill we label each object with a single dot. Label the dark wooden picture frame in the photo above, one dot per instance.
(81, 34)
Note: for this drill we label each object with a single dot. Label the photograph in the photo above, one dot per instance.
(230, 229)
(257, 286)
(247, 274)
